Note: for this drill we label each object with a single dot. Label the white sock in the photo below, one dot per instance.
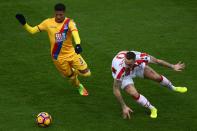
(165, 82)
(144, 102)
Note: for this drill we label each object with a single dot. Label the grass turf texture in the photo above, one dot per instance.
(29, 82)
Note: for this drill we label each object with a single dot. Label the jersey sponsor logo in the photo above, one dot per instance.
(122, 63)
(59, 37)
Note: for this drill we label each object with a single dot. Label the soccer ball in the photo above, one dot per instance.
(43, 119)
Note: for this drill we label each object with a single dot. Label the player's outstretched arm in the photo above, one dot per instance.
(125, 109)
(22, 21)
(177, 67)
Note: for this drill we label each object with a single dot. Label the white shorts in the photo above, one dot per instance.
(137, 72)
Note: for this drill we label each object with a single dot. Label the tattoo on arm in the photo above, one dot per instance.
(117, 93)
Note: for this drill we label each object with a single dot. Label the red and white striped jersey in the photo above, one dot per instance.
(119, 67)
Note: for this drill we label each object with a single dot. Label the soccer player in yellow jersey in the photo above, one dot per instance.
(66, 58)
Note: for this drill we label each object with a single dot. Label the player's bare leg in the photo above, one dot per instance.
(131, 90)
(149, 73)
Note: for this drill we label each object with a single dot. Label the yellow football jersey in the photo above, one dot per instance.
(60, 35)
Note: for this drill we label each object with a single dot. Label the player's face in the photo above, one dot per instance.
(129, 63)
(59, 16)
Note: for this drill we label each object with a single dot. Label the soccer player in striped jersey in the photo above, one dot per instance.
(66, 58)
(127, 65)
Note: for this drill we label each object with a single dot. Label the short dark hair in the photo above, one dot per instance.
(130, 55)
(60, 7)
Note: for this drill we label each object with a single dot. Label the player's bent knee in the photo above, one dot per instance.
(130, 89)
(158, 78)
(136, 96)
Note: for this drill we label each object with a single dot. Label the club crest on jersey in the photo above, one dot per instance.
(59, 37)
(66, 27)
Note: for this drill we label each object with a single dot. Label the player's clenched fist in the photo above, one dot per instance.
(78, 49)
(21, 18)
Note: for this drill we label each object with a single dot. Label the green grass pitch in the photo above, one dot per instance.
(30, 83)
